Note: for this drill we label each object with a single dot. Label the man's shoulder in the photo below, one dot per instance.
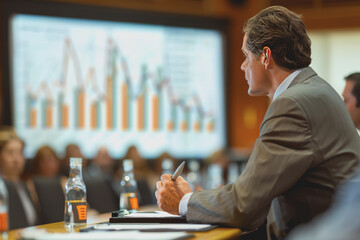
(307, 86)
(307, 93)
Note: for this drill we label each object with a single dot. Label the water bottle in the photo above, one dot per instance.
(75, 196)
(3, 208)
(233, 173)
(193, 177)
(128, 188)
(167, 166)
(214, 176)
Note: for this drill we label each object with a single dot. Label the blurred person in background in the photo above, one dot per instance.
(351, 96)
(102, 166)
(12, 163)
(45, 163)
(12, 160)
(72, 150)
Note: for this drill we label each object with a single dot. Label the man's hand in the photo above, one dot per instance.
(169, 193)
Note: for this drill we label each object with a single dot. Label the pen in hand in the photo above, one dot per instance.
(178, 171)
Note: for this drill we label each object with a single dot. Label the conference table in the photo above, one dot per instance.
(59, 227)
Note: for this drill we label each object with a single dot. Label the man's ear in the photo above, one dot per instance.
(266, 56)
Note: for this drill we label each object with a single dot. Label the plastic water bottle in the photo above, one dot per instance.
(3, 208)
(233, 173)
(128, 188)
(167, 166)
(215, 176)
(193, 177)
(75, 196)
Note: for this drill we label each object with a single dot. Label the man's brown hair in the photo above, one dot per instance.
(284, 33)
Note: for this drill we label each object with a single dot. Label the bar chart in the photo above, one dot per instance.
(143, 101)
(120, 82)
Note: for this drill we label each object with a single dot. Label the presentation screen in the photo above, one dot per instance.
(99, 83)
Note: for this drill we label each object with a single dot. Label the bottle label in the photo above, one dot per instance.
(3, 222)
(134, 203)
(129, 201)
(78, 209)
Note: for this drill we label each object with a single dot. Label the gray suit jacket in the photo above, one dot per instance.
(307, 146)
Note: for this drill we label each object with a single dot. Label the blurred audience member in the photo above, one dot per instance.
(102, 166)
(12, 162)
(351, 96)
(71, 150)
(45, 163)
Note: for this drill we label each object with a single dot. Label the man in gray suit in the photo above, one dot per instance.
(307, 144)
(341, 221)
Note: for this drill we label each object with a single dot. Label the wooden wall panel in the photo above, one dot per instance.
(331, 18)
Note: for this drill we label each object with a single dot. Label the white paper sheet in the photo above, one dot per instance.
(153, 227)
(36, 234)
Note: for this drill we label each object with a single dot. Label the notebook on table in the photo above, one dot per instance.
(146, 217)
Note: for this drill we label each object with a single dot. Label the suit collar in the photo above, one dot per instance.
(305, 74)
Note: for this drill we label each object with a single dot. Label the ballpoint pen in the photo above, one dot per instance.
(178, 171)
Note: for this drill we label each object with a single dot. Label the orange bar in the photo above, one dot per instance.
(33, 117)
(210, 126)
(183, 126)
(124, 107)
(155, 107)
(170, 126)
(109, 103)
(93, 115)
(65, 116)
(197, 126)
(140, 107)
(81, 101)
(49, 116)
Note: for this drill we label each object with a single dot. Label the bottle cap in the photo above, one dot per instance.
(167, 164)
(194, 165)
(128, 165)
(75, 161)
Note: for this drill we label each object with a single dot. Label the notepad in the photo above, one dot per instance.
(155, 214)
(146, 217)
(154, 227)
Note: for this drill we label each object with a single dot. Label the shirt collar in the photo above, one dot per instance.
(284, 85)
